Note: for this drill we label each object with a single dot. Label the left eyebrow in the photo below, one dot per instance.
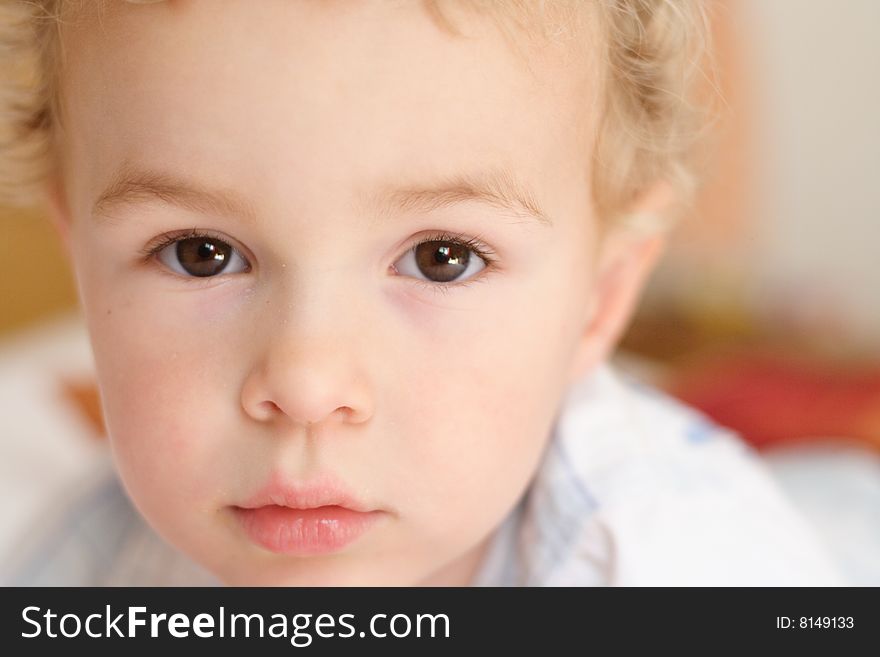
(498, 188)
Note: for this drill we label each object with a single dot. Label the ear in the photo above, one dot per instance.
(627, 254)
(58, 209)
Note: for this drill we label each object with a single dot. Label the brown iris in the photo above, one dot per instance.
(442, 261)
(200, 256)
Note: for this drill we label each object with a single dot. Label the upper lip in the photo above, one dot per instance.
(320, 491)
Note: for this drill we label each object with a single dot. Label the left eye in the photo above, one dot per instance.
(200, 256)
(441, 261)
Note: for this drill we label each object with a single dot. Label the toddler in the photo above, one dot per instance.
(352, 272)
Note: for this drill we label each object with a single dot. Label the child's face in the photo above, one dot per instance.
(317, 344)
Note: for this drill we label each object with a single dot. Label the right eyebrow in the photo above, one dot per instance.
(131, 186)
(497, 188)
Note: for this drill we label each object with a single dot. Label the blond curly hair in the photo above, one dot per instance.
(654, 59)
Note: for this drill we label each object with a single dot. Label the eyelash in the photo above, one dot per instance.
(474, 244)
(167, 239)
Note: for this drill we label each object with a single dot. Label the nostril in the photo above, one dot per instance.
(268, 409)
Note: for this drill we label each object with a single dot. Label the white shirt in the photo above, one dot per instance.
(635, 488)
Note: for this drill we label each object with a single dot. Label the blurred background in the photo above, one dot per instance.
(768, 303)
(764, 313)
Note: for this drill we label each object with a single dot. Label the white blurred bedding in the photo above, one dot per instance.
(836, 486)
(48, 450)
(47, 446)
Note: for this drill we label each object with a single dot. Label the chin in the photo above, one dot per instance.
(335, 573)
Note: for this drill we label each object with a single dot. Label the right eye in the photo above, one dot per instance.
(199, 255)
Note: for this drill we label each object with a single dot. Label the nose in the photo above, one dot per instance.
(308, 376)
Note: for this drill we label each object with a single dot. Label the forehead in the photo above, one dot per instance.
(305, 104)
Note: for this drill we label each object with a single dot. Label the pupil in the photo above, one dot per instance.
(206, 250)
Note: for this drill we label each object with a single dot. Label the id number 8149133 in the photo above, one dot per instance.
(814, 622)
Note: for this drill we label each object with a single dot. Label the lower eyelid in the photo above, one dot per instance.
(446, 288)
(192, 281)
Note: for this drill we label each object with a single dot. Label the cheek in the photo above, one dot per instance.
(485, 393)
(164, 387)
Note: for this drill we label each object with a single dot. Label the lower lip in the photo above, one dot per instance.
(322, 530)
